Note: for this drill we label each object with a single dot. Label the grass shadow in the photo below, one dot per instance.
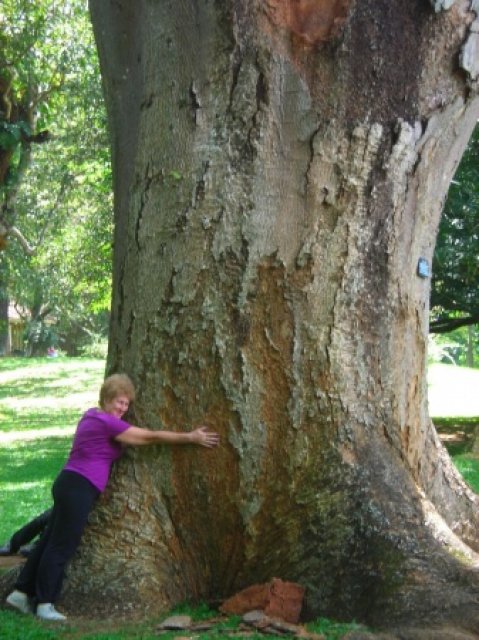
(26, 474)
(459, 435)
(37, 395)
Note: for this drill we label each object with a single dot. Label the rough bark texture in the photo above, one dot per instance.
(280, 168)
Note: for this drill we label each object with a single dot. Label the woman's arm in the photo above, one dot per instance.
(138, 436)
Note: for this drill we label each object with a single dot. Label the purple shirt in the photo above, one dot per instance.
(94, 449)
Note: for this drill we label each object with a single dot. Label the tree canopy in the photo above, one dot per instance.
(55, 197)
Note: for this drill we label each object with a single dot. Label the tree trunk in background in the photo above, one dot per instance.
(4, 342)
(280, 170)
(470, 347)
(4, 304)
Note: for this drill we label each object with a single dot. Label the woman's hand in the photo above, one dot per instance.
(202, 436)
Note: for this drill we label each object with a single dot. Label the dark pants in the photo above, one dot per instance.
(31, 530)
(42, 575)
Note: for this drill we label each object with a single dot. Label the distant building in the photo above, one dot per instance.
(17, 321)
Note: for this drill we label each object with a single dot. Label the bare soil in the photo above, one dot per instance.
(7, 562)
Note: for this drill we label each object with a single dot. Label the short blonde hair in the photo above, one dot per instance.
(118, 384)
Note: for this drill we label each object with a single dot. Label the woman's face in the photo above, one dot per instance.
(118, 406)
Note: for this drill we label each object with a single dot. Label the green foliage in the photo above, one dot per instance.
(40, 336)
(97, 348)
(34, 56)
(455, 294)
(460, 347)
(11, 133)
(64, 203)
(439, 349)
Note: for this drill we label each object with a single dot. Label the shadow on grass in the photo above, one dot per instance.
(11, 364)
(27, 471)
(35, 460)
(29, 419)
(55, 385)
(458, 436)
(65, 365)
(38, 394)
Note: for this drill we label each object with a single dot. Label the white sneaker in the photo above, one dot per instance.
(20, 601)
(47, 611)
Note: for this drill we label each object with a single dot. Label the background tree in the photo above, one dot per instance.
(280, 169)
(66, 201)
(26, 82)
(454, 295)
(56, 202)
(459, 347)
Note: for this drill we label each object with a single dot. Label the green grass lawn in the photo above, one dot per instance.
(454, 408)
(40, 403)
(17, 627)
(41, 400)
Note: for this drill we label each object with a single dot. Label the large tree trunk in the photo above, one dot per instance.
(280, 169)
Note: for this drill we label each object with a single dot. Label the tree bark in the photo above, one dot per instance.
(280, 169)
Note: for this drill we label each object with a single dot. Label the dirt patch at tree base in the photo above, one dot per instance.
(7, 562)
(100, 617)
